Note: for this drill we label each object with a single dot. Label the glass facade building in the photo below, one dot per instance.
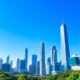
(42, 60)
(75, 60)
(65, 47)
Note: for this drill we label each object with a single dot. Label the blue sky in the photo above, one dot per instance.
(26, 23)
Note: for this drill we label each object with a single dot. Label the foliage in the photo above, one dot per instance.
(67, 75)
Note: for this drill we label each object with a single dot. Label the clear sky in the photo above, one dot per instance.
(26, 23)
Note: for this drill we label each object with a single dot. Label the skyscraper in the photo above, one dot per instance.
(65, 47)
(34, 59)
(8, 59)
(11, 66)
(42, 60)
(6, 67)
(49, 60)
(31, 69)
(49, 66)
(26, 58)
(53, 54)
(18, 66)
(22, 66)
(34, 63)
(38, 68)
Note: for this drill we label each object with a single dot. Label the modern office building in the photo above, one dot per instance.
(49, 60)
(49, 69)
(8, 59)
(53, 52)
(18, 66)
(31, 69)
(26, 58)
(57, 68)
(34, 59)
(75, 62)
(1, 62)
(65, 47)
(42, 60)
(22, 66)
(38, 69)
(49, 66)
(6, 67)
(34, 63)
(11, 66)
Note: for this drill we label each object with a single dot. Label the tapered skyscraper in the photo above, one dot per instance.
(42, 60)
(65, 47)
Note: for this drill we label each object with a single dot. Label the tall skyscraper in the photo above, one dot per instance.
(26, 58)
(42, 60)
(65, 47)
(34, 63)
(8, 59)
(53, 51)
(18, 65)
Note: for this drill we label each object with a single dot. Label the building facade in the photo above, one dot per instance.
(34, 63)
(42, 60)
(26, 58)
(65, 47)
(53, 54)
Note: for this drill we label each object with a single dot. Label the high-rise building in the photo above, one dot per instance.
(22, 66)
(6, 67)
(34, 63)
(18, 66)
(34, 59)
(31, 69)
(53, 54)
(8, 59)
(65, 47)
(38, 68)
(26, 58)
(11, 66)
(49, 66)
(1, 62)
(57, 68)
(42, 60)
(49, 60)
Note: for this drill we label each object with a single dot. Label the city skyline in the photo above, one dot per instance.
(24, 24)
(42, 66)
(26, 50)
